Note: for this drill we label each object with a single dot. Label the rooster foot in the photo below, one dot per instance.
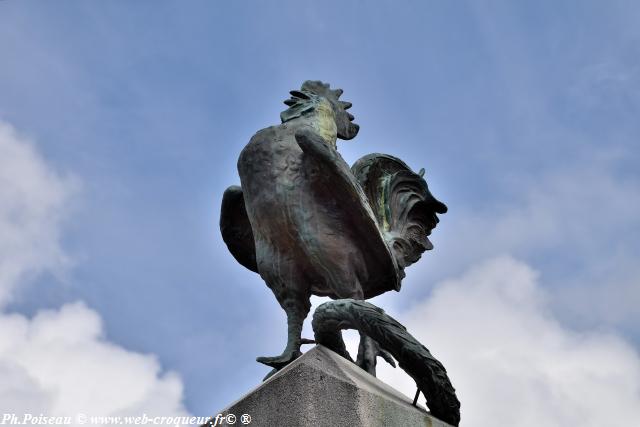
(279, 362)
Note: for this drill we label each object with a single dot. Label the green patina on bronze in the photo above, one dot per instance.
(311, 225)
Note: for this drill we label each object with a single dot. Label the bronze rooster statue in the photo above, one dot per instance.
(311, 225)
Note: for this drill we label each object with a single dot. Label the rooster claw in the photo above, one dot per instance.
(279, 362)
(270, 374)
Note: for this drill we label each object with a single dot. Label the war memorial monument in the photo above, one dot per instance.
(309, 224)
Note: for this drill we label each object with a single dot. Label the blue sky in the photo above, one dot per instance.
(524, 114)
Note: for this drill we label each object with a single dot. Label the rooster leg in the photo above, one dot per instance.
(297, 307)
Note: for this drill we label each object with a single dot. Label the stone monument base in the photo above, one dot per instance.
(320, 388)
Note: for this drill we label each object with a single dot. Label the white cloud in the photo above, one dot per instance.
(576, 224)
(59, 362)
(512, 362)
(32, 204)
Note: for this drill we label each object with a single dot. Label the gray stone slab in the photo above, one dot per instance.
(322, 389)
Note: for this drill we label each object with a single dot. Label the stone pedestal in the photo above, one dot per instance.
(322, 389)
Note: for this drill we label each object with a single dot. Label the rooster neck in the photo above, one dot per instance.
(323, 122)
